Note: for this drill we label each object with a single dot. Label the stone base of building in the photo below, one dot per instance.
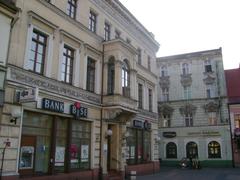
(144, 169)
(83, 175)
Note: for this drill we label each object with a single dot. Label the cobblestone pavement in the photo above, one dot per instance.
(190, 174)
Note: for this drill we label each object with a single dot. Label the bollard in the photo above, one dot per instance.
(133, 175)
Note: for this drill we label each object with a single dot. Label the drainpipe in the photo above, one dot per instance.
(230, 126)
(100, 177)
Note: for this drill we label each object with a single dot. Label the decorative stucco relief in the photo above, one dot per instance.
(211, 107)
(164, 82)
(188, 109)
(186, 80)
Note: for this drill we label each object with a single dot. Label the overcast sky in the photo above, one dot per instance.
(182, 26)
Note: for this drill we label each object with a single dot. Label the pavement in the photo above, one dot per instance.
(194, 174)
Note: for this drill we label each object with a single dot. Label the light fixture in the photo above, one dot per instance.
(108, 133)
(15, 114)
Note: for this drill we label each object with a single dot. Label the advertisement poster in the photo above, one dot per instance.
(132, 152)
(59, 156)
(84, 153)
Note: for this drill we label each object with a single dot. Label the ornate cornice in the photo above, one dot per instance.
(21, 76)
(186, 80)
(211, 107)
(164, 82)
(187, 109)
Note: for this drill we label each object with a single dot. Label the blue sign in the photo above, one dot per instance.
(53, 105)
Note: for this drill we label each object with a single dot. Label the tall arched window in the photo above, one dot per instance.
(192, 150)
(111, 76)
(171, 150)
(164, 72)
(214, 150)
(185, 69)
(125, 79)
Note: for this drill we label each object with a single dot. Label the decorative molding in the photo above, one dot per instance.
(148, 113)
(164, 82)
(165, 109)
(25, 77)
(211, 107)
(186, 80)
(209, 80)
(187, 109)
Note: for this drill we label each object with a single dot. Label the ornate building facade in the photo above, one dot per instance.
(81, 92)
(192, 107)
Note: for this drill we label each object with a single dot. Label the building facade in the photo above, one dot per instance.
(233, 93)
(81, 92)
(193, 113)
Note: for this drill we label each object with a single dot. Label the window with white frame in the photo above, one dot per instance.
(164, 71)
(71, 8)
(91, 74)
(117, 34)
(92, 21)
(150, 100)
(107, 31)
(187, 93)
(67, 64)
(185, 69)
(212, 118)
(139, 51)
(188, 120)
(140, 96)
(149, 63)
(166, 120)
(208, 66)
(125, 79)
(165, 94)
(210, 91)
(37, 56)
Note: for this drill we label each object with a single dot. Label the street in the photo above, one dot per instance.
(191, 174)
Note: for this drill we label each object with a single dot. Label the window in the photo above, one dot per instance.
(139, 51)
(125, 79)
(192, 150)
(138, 146)
(90, 74)
(71, 8)
(166, 120)
(111, 76)
(187, 92)
(171, 150)
(214, 150)
(237, 120)
(117, 34)
(165, 94)
(185, 69)
(107, 32)
(92, 22)
(37, 52)
(164, 71)
(212, 118)
(208, 66)
(149, 62)
(188, 120)
(150, 99)
(210, 93)
(140, 96)
(67, 64)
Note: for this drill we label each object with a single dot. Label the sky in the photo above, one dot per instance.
(184, 26)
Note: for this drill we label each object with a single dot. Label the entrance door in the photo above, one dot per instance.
(27, 155)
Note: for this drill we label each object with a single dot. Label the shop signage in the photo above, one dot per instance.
(28, 95)
(53, 105)
(169, 134)
(142, 125)
(78, 111)
(204, 133)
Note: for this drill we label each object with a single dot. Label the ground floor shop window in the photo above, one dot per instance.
(214, 150)
(138, 146)
(192, 150)
(171, 150)
(52, 144)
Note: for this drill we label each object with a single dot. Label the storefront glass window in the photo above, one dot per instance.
(80, 145)
(214, 150)
(138, 146)
(192, 150)
(171, 150)
(36, 135)
(61, 142)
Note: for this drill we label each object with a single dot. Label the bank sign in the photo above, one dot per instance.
(53, 105)
(78, 111)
